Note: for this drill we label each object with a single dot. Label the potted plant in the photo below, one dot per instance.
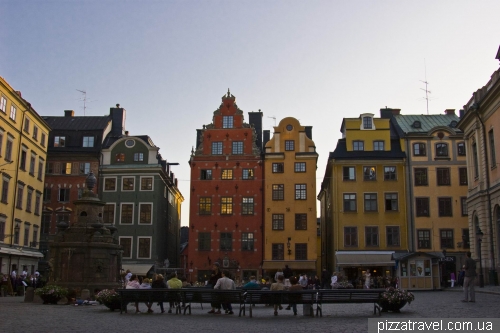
(393, 299)
(51, 294)
(342, 285)
(110, 298)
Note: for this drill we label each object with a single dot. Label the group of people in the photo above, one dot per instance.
(13, 281)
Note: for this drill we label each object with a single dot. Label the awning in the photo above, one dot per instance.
(365, 258)
(21, 252)
(139, 269)
(292, 264)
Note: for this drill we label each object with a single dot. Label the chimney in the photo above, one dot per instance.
(388, 112)
(118, 116)
(450, 112)
(461, 113)
(69, 113)
(267, 137)
(255, 119)
(309, 132)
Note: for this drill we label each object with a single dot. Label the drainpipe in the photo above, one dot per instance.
(492, 273)
(409, 179)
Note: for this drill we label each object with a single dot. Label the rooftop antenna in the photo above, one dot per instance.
(273, 117)
(427, 91)
(84, 100)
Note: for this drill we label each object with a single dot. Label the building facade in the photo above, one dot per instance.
(143, 202)
(480, 124)
(363, 200)
(290, 223)
(226, 211)
(23, 152)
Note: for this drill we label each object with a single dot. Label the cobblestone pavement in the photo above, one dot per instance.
(17, 316)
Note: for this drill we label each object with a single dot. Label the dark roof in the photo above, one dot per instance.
(341, 152)
(427, 122)
(78, 123)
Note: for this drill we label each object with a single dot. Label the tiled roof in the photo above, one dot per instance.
(341, 152)
(427, 122)
(78, 123)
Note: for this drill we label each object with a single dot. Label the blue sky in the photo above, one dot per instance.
(168, 63)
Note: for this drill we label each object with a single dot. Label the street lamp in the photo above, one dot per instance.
(480, 234)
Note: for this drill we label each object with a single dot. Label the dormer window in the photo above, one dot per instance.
(453, 124)
(367, 123)
(227, 122)
(417, 124)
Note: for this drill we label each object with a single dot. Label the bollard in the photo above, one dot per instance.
(29, 295)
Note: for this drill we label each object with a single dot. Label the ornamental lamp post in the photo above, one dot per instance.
(480, 234)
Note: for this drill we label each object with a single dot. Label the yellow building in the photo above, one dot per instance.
(363, 196)
(23, 150)
(290, 231)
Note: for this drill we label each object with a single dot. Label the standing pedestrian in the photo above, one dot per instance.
(225, 283)
(470, 279)
(367, 279)
(278, 286)
(214, 277)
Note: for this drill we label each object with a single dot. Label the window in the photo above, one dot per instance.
(278, 251)
(493, 158)
(465, 239)
(59, 141)
(20, 194)
(367, 122)
(389, 173)
(424, 239)
(445, 208)
(27, 125)
(226, 241)
(278, 191)
(350, 236)
(88, 141)
(247, 243)
(109, 184)
(22, 164)
(37, 202)
(301, 251)
(216, 148)
(227, 174)
(126, 244)
(463, 206)
(108, 216)
(248, 174)
(8, 149)
(128, 183)
(16, 237)
(461, 148)
(300, 221)
(226, 206)
(349, 202)
(446, 236)
(300, 166)
(85, 168)
(66, 169)
(422, 205)
(138, 157)
(442, 149)
(47, 194)
(420, 176)
(349, 173)
(2, 229)
(358, 145)
(443, 176)
(371, 236)
(3, 104)
(247, 206)
(206, 174)
(278, 222)
(205, 206)
(227, 121)
(462, 174)
(32, 164)
(35, 236)
(127, 213)
(237, 147)
(5, 189)
(146, 183)
(278, 167)
(26, 235)
(204, 239)
(63, 195)
(369, 173)
(80, 193)
(45, 223)
(392, 234)
(120, 157)
(35, 133)
(13, 111)
(42, 140)
(391, 201)
(300, 192)
(370, 202)
(144, 247)
(29, 200)
(145, 213)
(40, 168)
(378, 145)
(476, 162)
(289, 145)
(1, 141)
(419, 149)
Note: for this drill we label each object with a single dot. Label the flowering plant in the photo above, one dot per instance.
(342, 285)
(52, 290)
(397, 296)
(107, 296)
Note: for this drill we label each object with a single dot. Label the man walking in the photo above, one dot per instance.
(470, 279)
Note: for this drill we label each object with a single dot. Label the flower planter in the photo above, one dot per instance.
(393, 307)
(50, 299)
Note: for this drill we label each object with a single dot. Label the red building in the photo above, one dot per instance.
(226, 206)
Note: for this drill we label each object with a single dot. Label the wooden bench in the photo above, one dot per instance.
(331, 296)
(284, 297)
(208, 295)
(150, 296)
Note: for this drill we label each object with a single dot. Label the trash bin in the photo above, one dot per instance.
(307, 310)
